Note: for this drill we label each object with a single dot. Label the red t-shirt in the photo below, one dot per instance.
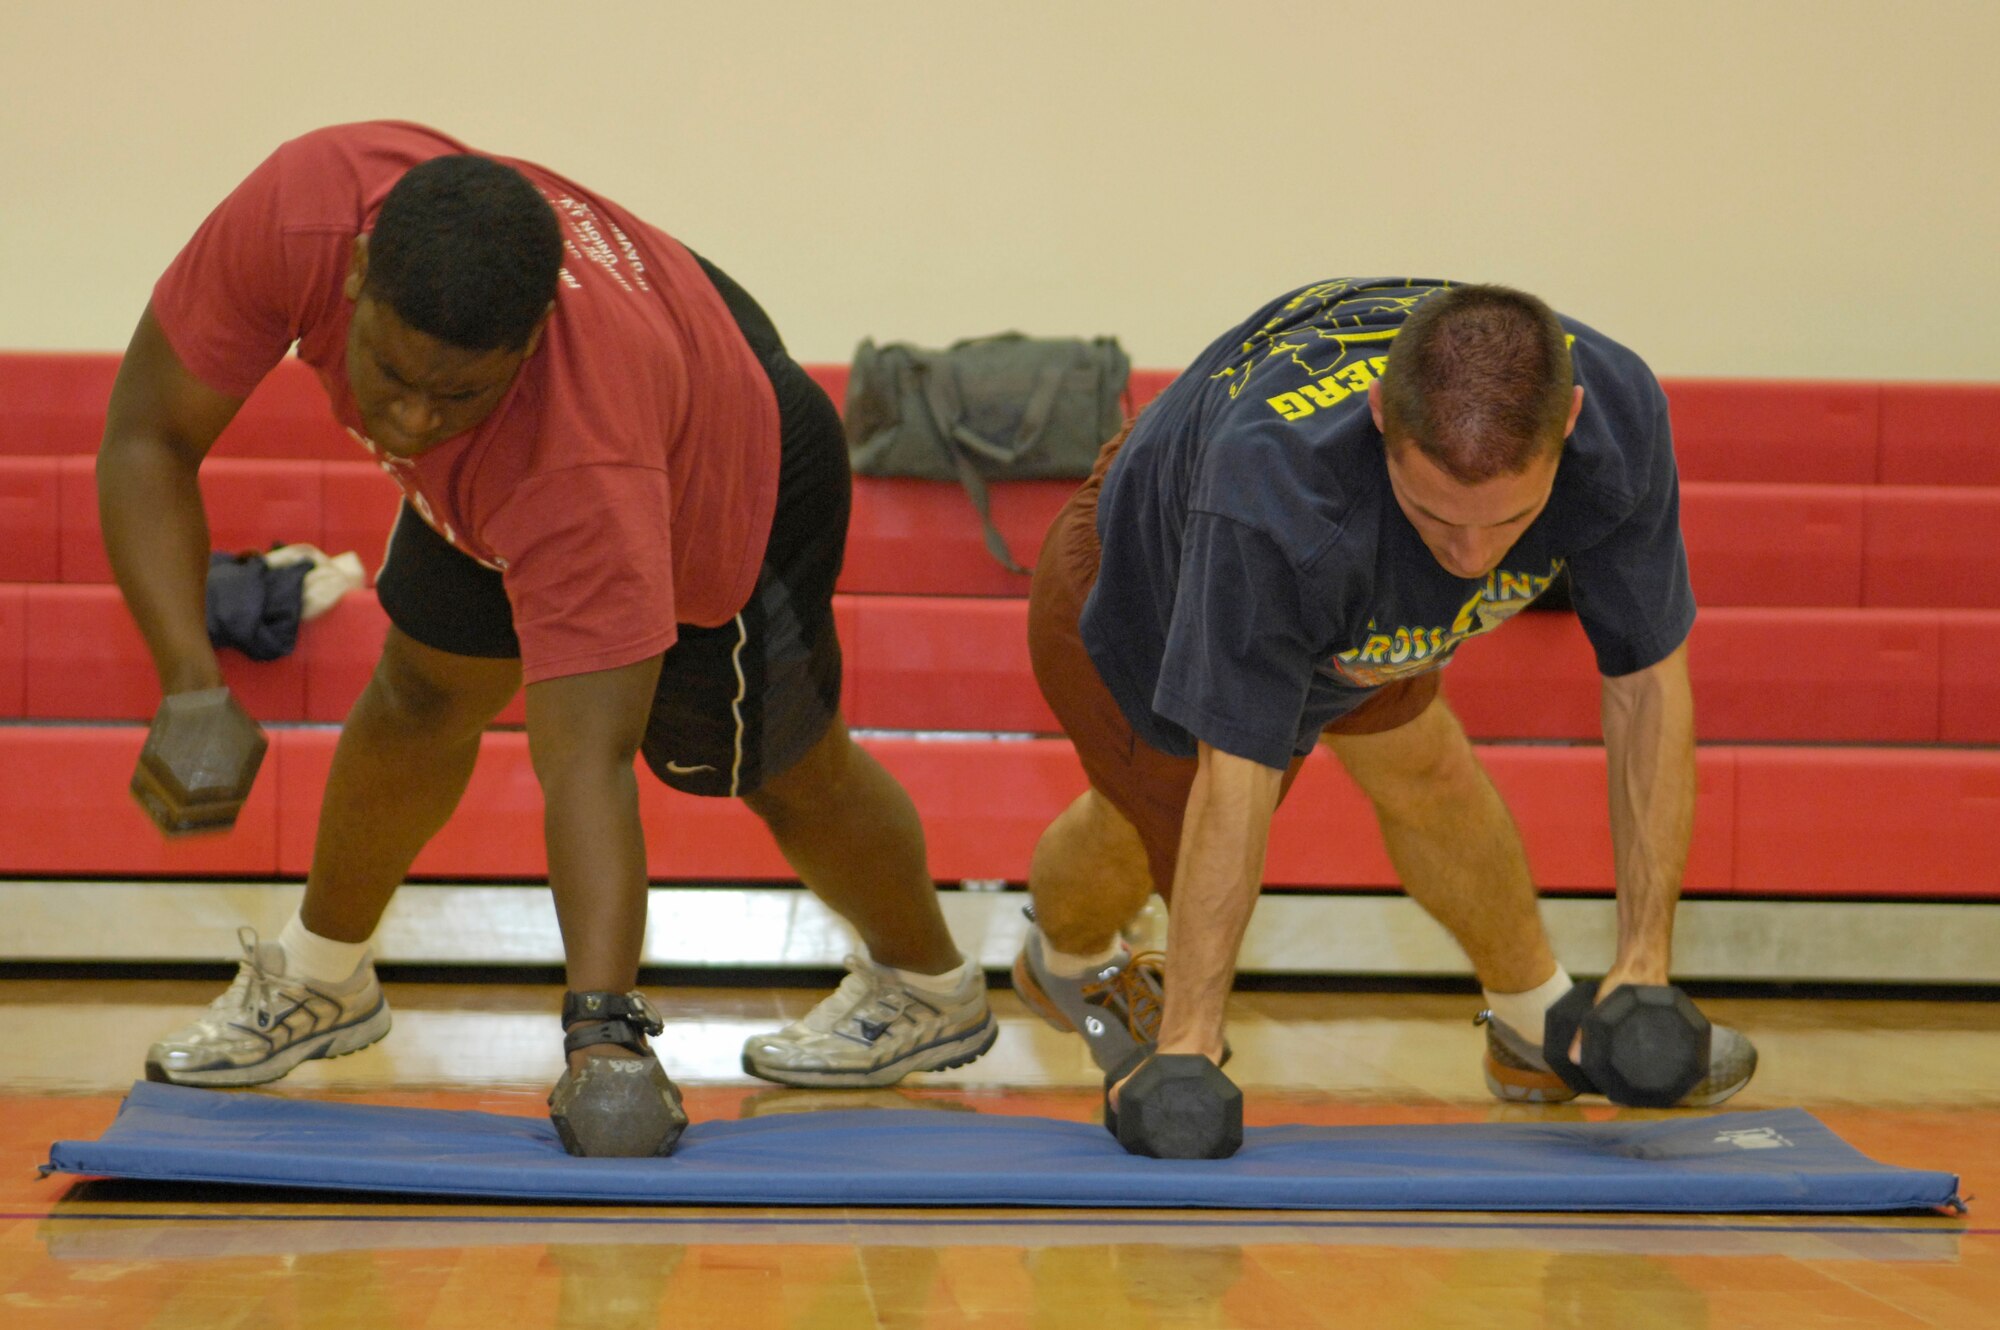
(625, 483)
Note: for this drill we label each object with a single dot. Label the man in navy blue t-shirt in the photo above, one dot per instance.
(1283, 550)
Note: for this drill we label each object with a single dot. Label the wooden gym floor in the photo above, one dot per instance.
(1914, 1083)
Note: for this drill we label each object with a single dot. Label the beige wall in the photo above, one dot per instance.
(1769, 187)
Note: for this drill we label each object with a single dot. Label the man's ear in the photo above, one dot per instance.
(535, 337)
(1575, 410)
(357, 269)
(1375, 405)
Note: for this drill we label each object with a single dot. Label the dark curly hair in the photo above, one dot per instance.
(467, 251)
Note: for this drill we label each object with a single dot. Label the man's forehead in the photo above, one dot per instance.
(1438, 494)
(417, 356)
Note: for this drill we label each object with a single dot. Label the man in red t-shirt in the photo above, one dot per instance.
(619, 490)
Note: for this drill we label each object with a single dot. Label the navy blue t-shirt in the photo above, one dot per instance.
(1259, 580)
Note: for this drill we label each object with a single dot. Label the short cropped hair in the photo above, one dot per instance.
(467, 251)
(1479, 381)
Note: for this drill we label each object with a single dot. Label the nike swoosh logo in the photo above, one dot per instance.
(871, 1031)
(680, 770)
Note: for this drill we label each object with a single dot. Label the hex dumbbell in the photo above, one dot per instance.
(1645, 1045)
(1176, 1106)
(198, 762)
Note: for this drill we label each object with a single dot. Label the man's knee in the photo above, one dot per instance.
(437, 694)
(1090, 860)
(818, 779)
(1428, 762)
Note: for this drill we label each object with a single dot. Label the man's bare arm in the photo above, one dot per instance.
(1649, 742)
(1216, 880)
(583, 731)
(160, 425)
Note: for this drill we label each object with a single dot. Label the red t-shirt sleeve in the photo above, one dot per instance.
(589, 568)
(235, 298)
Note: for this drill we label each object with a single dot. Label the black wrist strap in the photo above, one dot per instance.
(624, 1019)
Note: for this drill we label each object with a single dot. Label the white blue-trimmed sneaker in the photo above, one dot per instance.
(874, 1030)
(265, 1023)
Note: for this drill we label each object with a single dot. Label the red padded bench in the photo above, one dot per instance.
(13, 650)
(52, 403)
(1969, 685)
(1940, 434)
(251, 504)
(1826, 545)
(1748, 544)
(922, 537)
(1800, 431)
(1772, 675)
(1776, 430)
(74, 653)
(1874, 822)
(1867, 822)
(30, 520)
(55, 405)
(937, 663)
(66, 809)
(1816, 432)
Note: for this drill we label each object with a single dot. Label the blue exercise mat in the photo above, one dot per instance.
(1733, 1162)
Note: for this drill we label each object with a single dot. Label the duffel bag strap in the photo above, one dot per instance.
(941, 395)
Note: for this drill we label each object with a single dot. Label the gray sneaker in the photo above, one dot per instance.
(1517, 1072)
(874, 1030)
(1116, 1008)
(1732, 1061)
(265, 1023)
(1515, 1068)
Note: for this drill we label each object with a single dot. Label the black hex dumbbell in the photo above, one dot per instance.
(1176, 1106)
(615, 1107)
(1645, 1045)
(198, 762)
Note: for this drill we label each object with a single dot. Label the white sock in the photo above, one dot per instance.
(321, 959)
(1071, 965)
(949, 982)
(1524, 1012)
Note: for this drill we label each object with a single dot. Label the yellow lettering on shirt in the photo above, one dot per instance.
(1357, 376)
(1291, 406)
(1411, 650)
(1326, 393)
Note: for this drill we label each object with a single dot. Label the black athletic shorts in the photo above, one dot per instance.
(736, 704)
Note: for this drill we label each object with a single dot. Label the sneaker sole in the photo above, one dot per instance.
(334, 1043)
(941, 1056)
(1525, 1087)
(1714, 1097)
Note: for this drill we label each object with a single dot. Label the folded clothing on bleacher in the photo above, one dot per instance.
(256, 602)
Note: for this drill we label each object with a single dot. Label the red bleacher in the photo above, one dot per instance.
(1929, 546)
(1769, 821)
(1844, 540)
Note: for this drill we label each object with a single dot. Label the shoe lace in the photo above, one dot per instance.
(1135, 993)
(864, 995)
(255, 986)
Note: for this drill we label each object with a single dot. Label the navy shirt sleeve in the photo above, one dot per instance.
(1238, 657)
(1631, 587)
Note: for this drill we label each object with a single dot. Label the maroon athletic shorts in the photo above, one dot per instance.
(1148, 786)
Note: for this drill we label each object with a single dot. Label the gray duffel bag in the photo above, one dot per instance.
(1007, 407)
